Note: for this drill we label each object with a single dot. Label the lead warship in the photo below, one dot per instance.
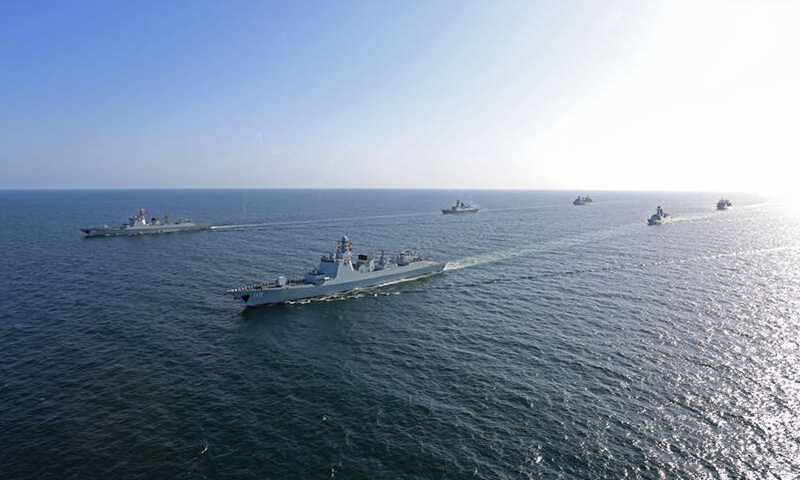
(339, 272)
(140, 225)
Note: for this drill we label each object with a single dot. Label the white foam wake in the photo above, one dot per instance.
(320, 221)
(544, 246)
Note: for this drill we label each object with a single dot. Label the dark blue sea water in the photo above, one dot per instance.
(560, 342)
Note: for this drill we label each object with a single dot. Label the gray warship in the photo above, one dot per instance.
(660, 217)
(460, 207)
(140, 225)
(339, 272)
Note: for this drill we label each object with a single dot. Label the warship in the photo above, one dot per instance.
(582, 200)
(140, 225)
(460, 207)
(723, 204)
(659, 218)
(339, 272)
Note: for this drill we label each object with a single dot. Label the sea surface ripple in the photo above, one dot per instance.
(560, 342)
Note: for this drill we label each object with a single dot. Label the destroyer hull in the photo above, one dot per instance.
(262, 295)
(463, 210)
(652, 222)
(127, 232)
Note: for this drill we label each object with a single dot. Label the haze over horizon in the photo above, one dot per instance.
(618, 95)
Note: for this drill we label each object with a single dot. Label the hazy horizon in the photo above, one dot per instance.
(410, 189)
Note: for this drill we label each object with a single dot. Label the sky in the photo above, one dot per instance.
(676, 95)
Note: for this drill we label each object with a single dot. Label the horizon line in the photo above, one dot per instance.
(113, 189)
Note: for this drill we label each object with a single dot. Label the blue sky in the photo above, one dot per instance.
(623, 94)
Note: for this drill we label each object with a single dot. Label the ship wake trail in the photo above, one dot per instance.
(319, 221)
(565, 242)
(469, 262)
(641, 265)
(550, 245)
(532, 207)
(692, 218)
(245, 225)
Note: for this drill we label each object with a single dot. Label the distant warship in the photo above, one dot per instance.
(582, 200)
(723, 204)
(139, 225)
(460, 207)
(339, 272)
(659, 218)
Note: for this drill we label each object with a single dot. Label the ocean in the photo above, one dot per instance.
(561, 341)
